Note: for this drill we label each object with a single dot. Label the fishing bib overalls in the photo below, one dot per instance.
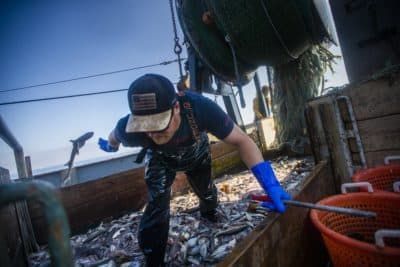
(187, 151)
(161, 167)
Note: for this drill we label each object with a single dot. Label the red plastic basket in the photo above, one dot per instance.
(381, 178)
(350, 239)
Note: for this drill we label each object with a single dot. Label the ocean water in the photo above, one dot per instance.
(55, 160)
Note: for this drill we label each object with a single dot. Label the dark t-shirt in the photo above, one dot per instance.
(208, 115)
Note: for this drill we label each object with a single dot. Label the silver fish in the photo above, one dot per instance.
(76, 145)
(191, 240)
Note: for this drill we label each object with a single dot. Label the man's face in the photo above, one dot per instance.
(163, 137)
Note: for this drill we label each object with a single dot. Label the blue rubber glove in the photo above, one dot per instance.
(267, 179)
(105, 146)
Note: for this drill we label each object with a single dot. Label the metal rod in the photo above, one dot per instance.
(235, 65)
(265, 198)
(354, 212)
(9, 138)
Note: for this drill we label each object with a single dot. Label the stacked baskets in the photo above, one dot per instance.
(362, 241)
(382, 178)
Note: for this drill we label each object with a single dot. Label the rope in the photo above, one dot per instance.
(235, 65)
(90, 76)
(60, 97)
(177, 48)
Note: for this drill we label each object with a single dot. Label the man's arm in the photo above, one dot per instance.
(248, 150)
(112, 139)
(262, 170)
(110, 145)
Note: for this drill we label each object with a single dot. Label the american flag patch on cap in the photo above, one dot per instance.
(144, 102)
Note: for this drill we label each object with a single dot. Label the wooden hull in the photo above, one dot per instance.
(88, 203)
(280, 240)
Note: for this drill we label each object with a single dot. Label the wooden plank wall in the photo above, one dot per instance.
(86, 204)
(11, 248)
(225, 158)
(322, 128)
(376, 105)
(316, 132)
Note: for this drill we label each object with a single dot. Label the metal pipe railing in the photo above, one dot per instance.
(24, 220)
(54, 213)
(9, 138)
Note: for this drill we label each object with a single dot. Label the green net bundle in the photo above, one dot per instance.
(294, 83)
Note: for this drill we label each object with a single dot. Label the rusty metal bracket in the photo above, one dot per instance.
(343, 141)
(54, 213)
(354, 133)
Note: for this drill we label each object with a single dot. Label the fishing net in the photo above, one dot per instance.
(255, 28)
(294, 84)
(245, 34)
(238, 36)
(209, 43)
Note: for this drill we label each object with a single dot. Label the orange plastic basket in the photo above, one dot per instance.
(349, 239)
(381, 178)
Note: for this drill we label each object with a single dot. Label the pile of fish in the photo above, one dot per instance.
(192, 240)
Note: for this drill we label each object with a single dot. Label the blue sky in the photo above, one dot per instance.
(46, 41)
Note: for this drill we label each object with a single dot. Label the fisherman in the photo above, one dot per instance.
(172, 129)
